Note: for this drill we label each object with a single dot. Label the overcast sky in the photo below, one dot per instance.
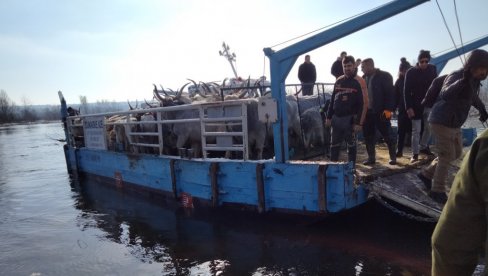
(116, 50)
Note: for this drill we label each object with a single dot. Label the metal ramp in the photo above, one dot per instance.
(407, 190)
(399, 185)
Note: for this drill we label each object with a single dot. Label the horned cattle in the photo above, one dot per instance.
(181, 134)
(188, 134)
(171, 99)
(248, 87)
(185, 132)
(292, 113)
(259, 133)
(313, 128)
(118, 131)
(314, 132)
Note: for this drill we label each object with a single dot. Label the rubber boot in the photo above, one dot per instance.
(370, 149)
(392, 153)
(334, 153)
(351, 154)
(399, 153)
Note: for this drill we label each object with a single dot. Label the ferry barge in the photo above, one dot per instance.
(313, 187)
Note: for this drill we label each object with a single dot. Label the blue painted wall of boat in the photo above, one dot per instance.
(290, 186)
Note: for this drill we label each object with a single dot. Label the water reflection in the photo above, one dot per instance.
(217, 242)
(91, 229)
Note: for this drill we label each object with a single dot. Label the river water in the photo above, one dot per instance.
(51, 225)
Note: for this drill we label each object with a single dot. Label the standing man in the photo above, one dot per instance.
(417, 81)
(336, 70)
(307, 76)
(459, 92)
(460, 235)
(346, 111)
(381, 104)
(404, 123)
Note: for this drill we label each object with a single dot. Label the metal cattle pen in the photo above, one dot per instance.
(213, 119)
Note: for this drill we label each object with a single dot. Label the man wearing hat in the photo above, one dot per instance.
(417, 81)
(459, 92)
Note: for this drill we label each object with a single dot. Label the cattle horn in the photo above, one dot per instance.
(178, 95)
(172, 91)
(207, 88)
(162, 89)
(197, 88)
(194, 83)
(158, 96)
(148, 104)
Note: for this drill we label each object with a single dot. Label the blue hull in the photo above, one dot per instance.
(305, 188)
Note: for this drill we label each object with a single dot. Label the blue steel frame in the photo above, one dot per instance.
(441, 61)
(283, 60)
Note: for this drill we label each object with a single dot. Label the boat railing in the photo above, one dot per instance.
(222, 127)
(318, 88)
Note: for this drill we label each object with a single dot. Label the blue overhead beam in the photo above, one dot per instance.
(283, 60)
(441, 61)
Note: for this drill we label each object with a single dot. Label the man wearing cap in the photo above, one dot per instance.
(417, 81)
(459, 92)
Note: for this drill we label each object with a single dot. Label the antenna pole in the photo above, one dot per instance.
(230, 57)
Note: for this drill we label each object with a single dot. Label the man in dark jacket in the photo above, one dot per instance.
(417, 81)
(345, 113)
(307, 76)
(336, 69)
(404, 123)
(433, 92)
(459, 92)
(381, 104)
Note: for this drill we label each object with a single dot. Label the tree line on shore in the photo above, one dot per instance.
(10, 112)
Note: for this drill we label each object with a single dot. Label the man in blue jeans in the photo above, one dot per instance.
(417, 81)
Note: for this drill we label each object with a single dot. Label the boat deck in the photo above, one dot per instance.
(399, 183)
